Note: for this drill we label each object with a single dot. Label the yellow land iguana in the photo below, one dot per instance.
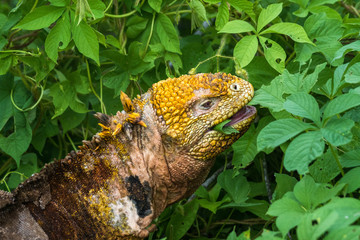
(154, 153)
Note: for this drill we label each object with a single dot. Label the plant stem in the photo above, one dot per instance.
(103, 109)
(222, 226)
(178, 12)
(150, 35)
(337, 159)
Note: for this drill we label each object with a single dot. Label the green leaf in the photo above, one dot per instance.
(59, 3)
(325, 168)
(289, 213)
(268, 14)
(284, 184)
(311, 194)
(303, 105)
(6, 83)
(352, 179)
(225, 129)
(245, 148)
(97, 8)
(270, 96)
(117, 80)
(338, 131)
(237, 26)
(181, 221)
(29, 166)
(245, 50)
(211, 206)
(280, 131)
(155, 4)
(303, 150)
(136, 25)
(327, 33)
(353, 74)
(274, 53)
(86, 41)
(70, 119)
(18, 141)
(237, 187)
(6, 62)
(293, 30)
(354, 46)
(222, 17)
(59, 35)
(350, 159)
(269, 235)
(167, 34)
(351, 232)
(341, 104)
(199, 9)
(244, 6)
(41, 17)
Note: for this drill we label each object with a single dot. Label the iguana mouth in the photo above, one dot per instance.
(244, 113)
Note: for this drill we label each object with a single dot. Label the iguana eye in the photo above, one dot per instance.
(206, 104)
(235, 87)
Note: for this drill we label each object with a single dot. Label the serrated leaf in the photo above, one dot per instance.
(86, 41)
(341, 104)
(41, 17)
(60, 34)
(167, 34)
(338, 131)
(244, 5)
(303, 105)
(279, 131)
(275, 55)
(199, 9)
(237, 26)
(270, 96)
(293, 30)
(303, 150)
(268, 14)
(245, 50)
(222, 17)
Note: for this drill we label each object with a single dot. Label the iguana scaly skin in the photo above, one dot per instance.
(154, 153)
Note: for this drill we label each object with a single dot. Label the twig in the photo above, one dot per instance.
(266, 179)
(350, 9)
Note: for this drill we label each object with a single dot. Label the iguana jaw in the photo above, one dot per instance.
(245, 115)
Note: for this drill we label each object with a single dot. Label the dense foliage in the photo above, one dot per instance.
(296, 172)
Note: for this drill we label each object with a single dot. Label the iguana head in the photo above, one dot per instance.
(189, 107)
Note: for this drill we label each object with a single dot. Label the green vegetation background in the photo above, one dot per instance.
(296, 172)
